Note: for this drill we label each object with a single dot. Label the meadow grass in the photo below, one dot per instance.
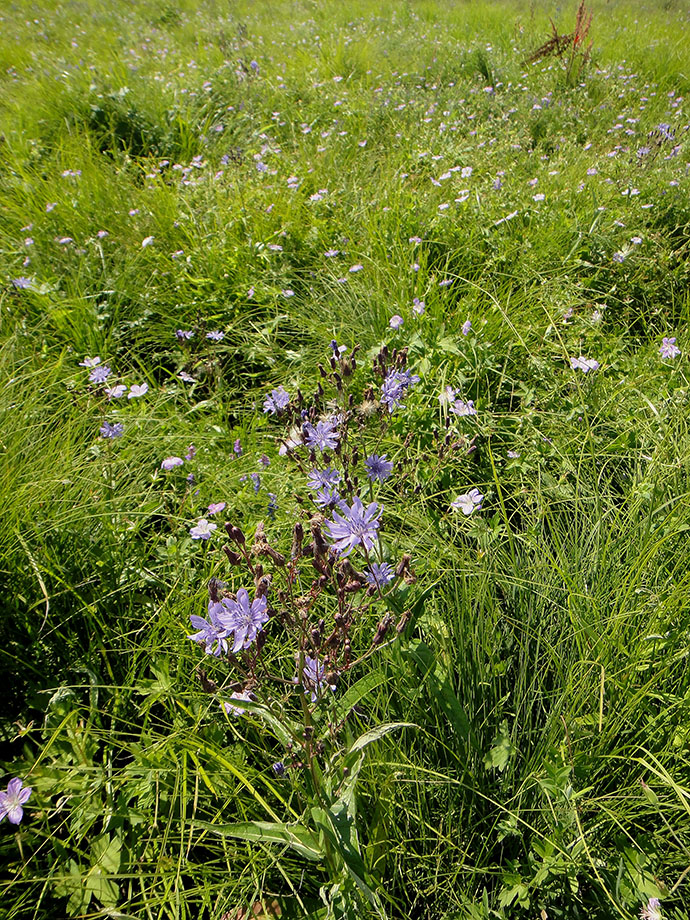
(292, 173)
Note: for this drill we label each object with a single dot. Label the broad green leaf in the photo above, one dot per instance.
(375, 733)
(297, 837)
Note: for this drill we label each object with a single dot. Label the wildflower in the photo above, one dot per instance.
(540, 196)
(396, 321)
(320, 479)
(469, 502)
(330, 253)
(378, 467)
(216, 507)
(100, 374)
(315, 676)
(277, 401)
(584, 364)
(185, 377)
(463, 408)
(354, 526)
(191, 452)
(636, 240)
(212, 633)
(418, 306)
(90, 362)
(215, 336)
(327, 497)
(356, 268)
(668, 348)
(22, 283)
(202, 530)
(415, 239)
(467, 327)
(264, 461)
(171, 462)
(115, 430)
(116, 392)
(147, 241)
(652, 911)
(102, 234)
(278, 768)
(323, 435)
(380, 574)
(254, 66)
(466, 172)
(272, 506)
(243, 619)
(137, 389)
(256, 479)
(184, 335)
(618, 257)
(237, 447)
(395, 387)
(231, 710)
(12, 799)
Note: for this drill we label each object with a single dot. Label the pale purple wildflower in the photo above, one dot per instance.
(396, 321)
(320, 479)
(378, 467)
(618, 257)
(12, 799)
(584, 364)
(184, 335)
(147, 241)
(114, 430)
(116, 392)
(202, 530)
(191, 452)
(652, 911)
(356, 268)
(668, 348)
(355, 525)
(216, 507)
(243, 619)
(315, 677)
(213, 635)
(278, 768)
(171, 462)
(467, 327)
(137, 390)
(186, 378)
(22, 283)
(469, 502)
(277, 401)
(264, 461)
(272, 506)
(90, 362)
(215, 336)
(256, 480)
(462, 408)
(395, 387)
(327, 497)
(237, 447)
(232, 710)
(330, 253)
(380, 574)
(418, 306)
(322, 435)
(100, 374)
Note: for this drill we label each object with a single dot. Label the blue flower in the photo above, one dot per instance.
(242, 618)
(115, 430)
(319, 479)
(380, 574)
(212, 633)
(256, 479)
(395, 387)
(378, 467)
(12, 799)
(99, 374)
(354, 526)
(315, 677)
(327, 496)
(277, 401)
(323, 435)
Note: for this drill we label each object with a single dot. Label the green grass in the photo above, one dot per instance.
(546, 674)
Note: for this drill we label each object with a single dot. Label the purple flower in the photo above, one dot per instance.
(319, 479)
(215, 336)
(396, 321)
(618, 256)
(137, 389)
(147, 241)
(380, 574)
(191, 452)
(216, 507)
(323, 435)
(315, 677)
(327, 496)
(467, 327)
(202, 530)
(469, 502)
(395, 387)
(256, 479)
(184, 335)
(652, 911)
(584, 364)
(114, 430)
(186, 378)
(212, 633)
(22, 283)
(278, 768)
(90, 362)
(277, 401)
(463, 408)
(171, 462)
(264, 461)
(237, 447)
(116, 392)
(231, 710)
(254, 66)
(272, 506)
(243, 619)
(100, 374)
(418, 306)
(378, 467)
(668, 348)
(354, 526)
(12, 799)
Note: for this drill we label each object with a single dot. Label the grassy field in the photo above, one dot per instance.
(246, 246)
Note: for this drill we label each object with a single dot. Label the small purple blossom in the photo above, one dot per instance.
(215, 336)
(256, 480)
(378, 467)
(272, 506)
(584, 364)
(315, 677)
(327, 497)
(232, 710)
(467, 327)
(171, 462)
(668, 348)
(22, 283)
(237, 447)
(320, 479)
(469, 502)
(184, 335)
(90, 362)
(100, 374)
(212, 633)
(137, 390)
(11, 801)
(395, 387)
(277, 401)
(112, 430)
(191, 452)
(379, 574)
(243, 619)
(116, 392)
(216, 507)
(418, 306)
(202, 530)
(322, 435)
(396, 321)
(278, 768)
(355, 525)
(463, 408)
(652, 910)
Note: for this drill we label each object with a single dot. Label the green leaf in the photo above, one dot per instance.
(295, 836)
(375, 733)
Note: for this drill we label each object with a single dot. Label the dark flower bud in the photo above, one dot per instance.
(214, 588)
(382, 629)
(297, 537)
(338, 381)
(404, 565)
(233, 557)
(207, 685)
(403, 621)
(261, 637)
(236, 534)
(278, 768)
(322, 371)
